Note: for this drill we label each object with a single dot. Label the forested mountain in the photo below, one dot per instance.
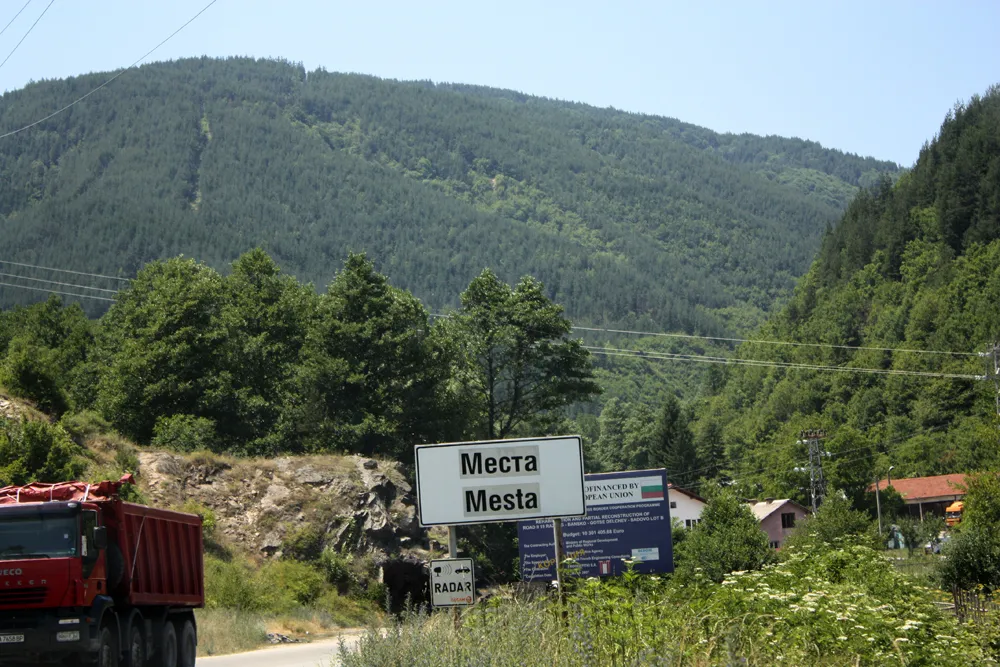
(625, 218)
(912, 274)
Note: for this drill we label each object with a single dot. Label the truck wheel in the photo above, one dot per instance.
(168, 646)
(136, 655)
(107, 653)
(188, 648)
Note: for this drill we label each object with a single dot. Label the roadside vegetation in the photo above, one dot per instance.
(308, 592)
(830, 597)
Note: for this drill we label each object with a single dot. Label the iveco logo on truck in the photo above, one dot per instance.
(14, 572)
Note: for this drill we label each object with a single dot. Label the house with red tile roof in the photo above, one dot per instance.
(924, 495)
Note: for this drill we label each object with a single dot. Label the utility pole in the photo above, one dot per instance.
(817, 484)
(878, 505)
(993, 370)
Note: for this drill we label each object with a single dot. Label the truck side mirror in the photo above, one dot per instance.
(100, 537)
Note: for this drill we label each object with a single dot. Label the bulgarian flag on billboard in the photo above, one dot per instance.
(651, 491)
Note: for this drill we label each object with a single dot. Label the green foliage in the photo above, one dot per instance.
(163, 344)
(912, 265)
(336, 567)
(727, 539)
(972, 555)
(292, 584)
(232, 585)
(36, 451)
(911, 531)
(304, 544)
(624, 216)
(208, 520)
(376, 371)
(30, 372)
(834, 525)
(40, 346)
(521, 366)
(83, 426)
(184, 433)
(842, 606)
(631, 436)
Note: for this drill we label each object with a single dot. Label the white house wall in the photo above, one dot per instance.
(684, 507)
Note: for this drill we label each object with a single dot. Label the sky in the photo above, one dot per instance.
(872, 77)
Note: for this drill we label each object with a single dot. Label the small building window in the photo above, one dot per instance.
(788, 520)
(691, 523)
(673, 504)
(775, 545)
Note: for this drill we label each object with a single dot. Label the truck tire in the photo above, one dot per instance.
(107, 652)
(187, 649)
(166, 653)
(135, 649)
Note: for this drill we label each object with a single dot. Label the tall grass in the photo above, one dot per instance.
(224, 631)
(845, 606)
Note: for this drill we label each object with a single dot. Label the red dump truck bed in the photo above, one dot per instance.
(162, 554)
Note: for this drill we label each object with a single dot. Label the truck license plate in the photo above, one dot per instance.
(11, 639)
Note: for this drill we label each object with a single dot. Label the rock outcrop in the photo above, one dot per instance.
(358, 504)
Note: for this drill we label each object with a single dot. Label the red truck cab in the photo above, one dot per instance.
(86, 578)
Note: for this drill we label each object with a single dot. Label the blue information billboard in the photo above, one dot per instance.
(628, 516)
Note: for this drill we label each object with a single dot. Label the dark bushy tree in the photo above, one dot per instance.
(727, 539)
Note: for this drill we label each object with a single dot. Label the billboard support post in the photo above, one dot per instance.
(557, 533)
(453, 553)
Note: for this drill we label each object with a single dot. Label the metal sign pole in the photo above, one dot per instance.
(558, 535)
(452, 542)
(453, 553)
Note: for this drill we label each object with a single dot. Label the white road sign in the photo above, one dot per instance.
(500, 480)
(453, 582)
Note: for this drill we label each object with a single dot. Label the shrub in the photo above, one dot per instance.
(972, 556)
(233, 585)
(83, 426)
(835, 523)
(208, 521)
(293, 583)
(728, 538)
(183, 433)
(32, 372)
(304, 544)
(337, 569)
(37, 451)
(911, 531)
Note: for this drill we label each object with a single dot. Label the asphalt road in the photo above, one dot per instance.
(320, 653)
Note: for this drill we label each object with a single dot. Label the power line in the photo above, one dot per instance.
(666, 356)
(774, 342)
(53, 291)
(49, 268)
(27, 33)
(54, 282)
(15, 17)
(659, 334)
(83, 97)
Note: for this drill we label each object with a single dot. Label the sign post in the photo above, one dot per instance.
(557, 534)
